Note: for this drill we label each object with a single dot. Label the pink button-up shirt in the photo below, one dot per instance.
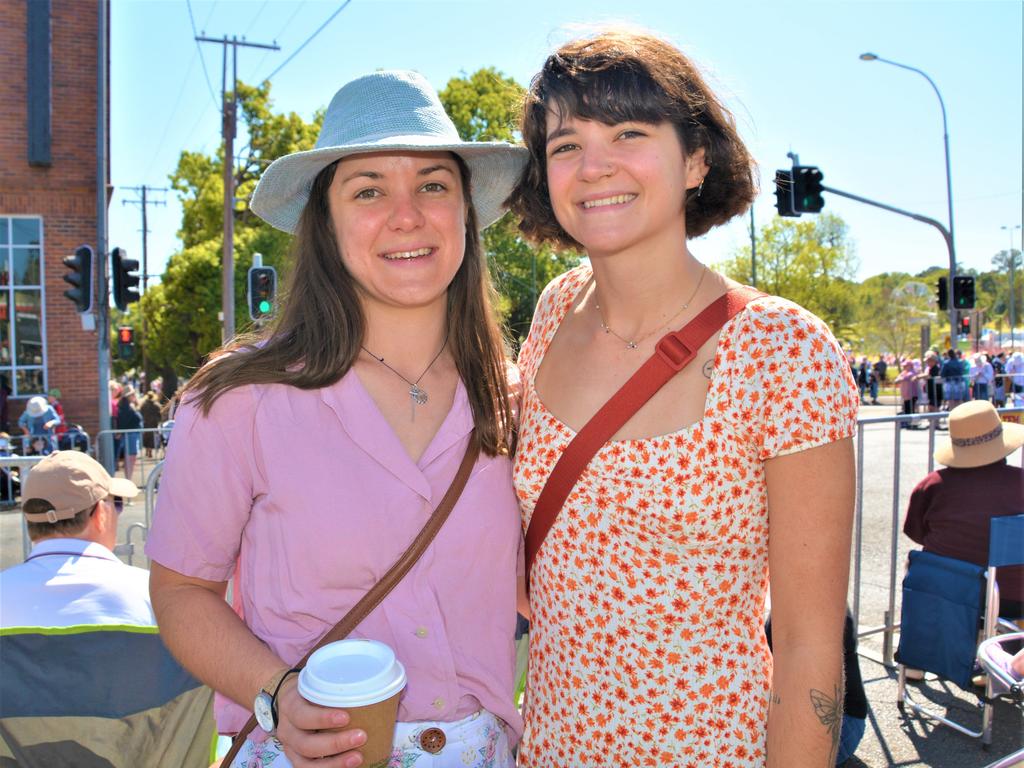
(313, 496)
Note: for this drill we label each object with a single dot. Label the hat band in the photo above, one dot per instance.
(967, 442)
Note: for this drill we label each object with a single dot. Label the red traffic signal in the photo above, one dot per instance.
(125, 342)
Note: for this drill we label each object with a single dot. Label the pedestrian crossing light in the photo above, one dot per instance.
(942, 294)
(262, 285)
(965, 325)
(125, 342)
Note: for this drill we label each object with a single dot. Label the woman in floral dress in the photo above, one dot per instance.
(648, 594)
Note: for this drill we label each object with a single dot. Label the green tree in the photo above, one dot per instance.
(893, 308)
(182, 310)
(485, 107)
(811, 262)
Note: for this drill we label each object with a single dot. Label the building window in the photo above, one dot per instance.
(22, 327)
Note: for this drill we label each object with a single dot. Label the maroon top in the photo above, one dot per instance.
(949, 515)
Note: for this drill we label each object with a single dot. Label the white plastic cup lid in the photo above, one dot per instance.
(351, 673)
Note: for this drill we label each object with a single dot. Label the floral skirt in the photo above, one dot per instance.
(477, 741)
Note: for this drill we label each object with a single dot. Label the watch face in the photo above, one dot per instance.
(264, 711)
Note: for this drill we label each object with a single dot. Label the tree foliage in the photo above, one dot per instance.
(485, 107)
(810, 262)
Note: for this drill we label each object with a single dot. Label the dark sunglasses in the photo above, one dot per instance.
(118, 503)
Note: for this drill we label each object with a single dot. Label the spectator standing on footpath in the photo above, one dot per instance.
(1015, 375)
(950, 509)
(129, 418)
(907, 381)
(881, 369)
(53, 398)
(150, 410)
(954, 380)
(982, 376)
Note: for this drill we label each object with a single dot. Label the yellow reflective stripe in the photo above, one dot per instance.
(78, 629)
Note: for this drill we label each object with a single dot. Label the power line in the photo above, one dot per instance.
(309, 39)
(255, 18)
(170, 120)
(280, 34)
(199, 48)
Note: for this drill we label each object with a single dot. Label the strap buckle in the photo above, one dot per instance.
(673, 352)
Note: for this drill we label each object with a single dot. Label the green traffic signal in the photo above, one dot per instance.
(265, 307)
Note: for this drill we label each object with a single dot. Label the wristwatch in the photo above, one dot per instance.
(265, 705)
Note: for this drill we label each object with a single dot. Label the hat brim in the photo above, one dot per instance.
(123, 487)
(1011, 439)
(283, 190)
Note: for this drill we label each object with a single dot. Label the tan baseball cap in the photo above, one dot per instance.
(71, 481)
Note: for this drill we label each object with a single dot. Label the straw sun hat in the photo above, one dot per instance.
(388, 111)
(977, 436)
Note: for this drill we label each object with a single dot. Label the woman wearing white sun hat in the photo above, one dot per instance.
(307, 458)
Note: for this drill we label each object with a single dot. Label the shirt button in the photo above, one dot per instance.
(421, 632)
(438, 703)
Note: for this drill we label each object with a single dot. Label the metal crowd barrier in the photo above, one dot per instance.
(890, 624)
(109, 448)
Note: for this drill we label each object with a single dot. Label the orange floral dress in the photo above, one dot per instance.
(647, 645)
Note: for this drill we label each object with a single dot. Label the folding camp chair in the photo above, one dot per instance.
(99, 696)
(944, 602)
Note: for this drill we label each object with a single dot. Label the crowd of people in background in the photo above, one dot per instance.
(942, 381)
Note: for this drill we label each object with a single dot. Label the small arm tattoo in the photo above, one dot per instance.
(708, 368)
(775, 698)
(830, 712)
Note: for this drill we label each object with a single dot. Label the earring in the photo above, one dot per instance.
(700, 188)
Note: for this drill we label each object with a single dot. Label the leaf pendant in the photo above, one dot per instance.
(419, 396)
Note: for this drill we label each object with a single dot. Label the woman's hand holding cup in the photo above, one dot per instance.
(309, 732)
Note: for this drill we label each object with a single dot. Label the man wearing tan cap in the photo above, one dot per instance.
(86, 679)
(950, 510)
(72, 576)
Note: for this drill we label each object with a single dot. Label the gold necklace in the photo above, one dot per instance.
(417, 394)
(633, 344)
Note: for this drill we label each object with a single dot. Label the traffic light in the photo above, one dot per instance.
(784, 193)
(126, 279)
(965, 324)
(125, 342)
(943, 293)
(262, 286)
(807, 189)
(963, 292)
(80, 278)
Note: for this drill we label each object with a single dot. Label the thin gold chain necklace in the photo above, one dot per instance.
(634, 343)
(417, 394)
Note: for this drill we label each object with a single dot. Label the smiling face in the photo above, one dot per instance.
(613, 187)
(399, 220)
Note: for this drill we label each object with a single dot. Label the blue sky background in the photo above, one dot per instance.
(789, 71)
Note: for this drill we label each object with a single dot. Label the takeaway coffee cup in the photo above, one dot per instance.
(364, 678)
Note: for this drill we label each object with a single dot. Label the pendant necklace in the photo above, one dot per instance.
(417, 394)
(634, 343)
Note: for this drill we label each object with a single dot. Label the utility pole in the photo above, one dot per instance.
(102, 299)
(229, 124)
(143, 202)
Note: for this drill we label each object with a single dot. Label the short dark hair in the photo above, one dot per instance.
(620, 76)
(69, 527)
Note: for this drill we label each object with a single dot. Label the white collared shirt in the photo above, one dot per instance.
(70, 582)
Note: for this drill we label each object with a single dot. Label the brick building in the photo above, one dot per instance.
(48, 200)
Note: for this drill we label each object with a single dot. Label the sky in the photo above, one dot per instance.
(789, 71)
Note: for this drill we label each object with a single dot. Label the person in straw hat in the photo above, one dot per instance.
(950, 509)
(306, 459)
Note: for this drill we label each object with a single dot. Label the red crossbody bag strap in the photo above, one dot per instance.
(671, 354)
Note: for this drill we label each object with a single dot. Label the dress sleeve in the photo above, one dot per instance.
(810, 396)
(207, 488)
(916, 526)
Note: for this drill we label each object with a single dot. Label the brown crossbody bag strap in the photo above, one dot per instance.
(388, 581)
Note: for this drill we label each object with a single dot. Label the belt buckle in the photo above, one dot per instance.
(432, 740)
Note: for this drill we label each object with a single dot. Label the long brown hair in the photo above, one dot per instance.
(619, 76)
(317, 335)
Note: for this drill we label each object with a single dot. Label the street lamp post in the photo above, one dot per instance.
(949, 186)
(1011, 261)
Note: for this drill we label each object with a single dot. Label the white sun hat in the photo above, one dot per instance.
(391, 110)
